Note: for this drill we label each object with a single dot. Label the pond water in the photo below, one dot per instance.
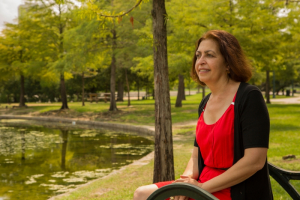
(38, 162)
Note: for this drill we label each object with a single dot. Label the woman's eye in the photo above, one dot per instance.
(198, 56)
(209, 55)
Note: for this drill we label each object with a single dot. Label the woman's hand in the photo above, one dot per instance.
(186, 179)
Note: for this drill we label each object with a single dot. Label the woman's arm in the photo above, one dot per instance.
(254, 160)
(191, 169)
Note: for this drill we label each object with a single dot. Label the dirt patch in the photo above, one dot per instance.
(100, 192)
(290, 161)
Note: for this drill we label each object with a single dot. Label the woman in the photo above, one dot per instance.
(229, 158)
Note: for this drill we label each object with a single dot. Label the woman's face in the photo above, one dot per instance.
(210, 64)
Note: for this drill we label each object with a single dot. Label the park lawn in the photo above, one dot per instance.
(284, 140)
(140, 112)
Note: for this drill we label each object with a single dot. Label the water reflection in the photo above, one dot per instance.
(64, 136)
(36, 162)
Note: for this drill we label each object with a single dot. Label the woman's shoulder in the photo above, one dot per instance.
(245, 89)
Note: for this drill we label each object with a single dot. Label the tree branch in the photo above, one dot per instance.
(124, 13)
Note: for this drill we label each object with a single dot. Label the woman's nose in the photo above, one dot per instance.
(200, 60)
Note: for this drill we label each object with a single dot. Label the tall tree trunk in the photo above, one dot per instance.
(183, 91)
(163, 156)
(138, 88)
(268, 86)
(120, 91)
(22, 99)
(203, 92)
(189, 86)
(63, 92)
(83, 89)
(180, 91)
(113, 105)
(292, 87)
(128, 89)
(153, 93)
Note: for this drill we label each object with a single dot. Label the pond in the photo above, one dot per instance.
(38, 162)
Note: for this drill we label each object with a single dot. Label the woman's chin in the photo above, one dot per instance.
(204, 80)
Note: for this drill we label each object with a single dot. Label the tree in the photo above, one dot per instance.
(84, 55)
(164, 163)
(55, 19)
(18, 51)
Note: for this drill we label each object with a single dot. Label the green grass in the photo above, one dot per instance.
(284, 140)
(140, 111)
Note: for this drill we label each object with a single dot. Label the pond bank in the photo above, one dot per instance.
(143, 130)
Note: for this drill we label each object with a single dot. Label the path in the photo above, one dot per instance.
(290, 100)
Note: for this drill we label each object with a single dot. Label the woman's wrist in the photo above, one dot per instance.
(204, 186)
(200, 185)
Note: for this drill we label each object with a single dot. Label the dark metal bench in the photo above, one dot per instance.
(282, 176)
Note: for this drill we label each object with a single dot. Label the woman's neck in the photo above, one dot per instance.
(221, 88)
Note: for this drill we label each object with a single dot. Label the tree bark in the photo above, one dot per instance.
(180, 91)
(113, 105)
(22, 92)
(189, 86)
(128, 89)
(120, 91)
(153, 93)
(83, 89)
(63, 92)
(183, 90)
(163, 156)
(138, 89)
(267, 86)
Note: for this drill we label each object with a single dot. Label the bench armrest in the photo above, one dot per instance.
(283, 177)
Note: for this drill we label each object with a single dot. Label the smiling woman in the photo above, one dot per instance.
(237, 66)
(232, 133)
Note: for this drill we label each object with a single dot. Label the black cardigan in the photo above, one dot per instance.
(251, 129)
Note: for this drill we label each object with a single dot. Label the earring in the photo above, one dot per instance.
(227, 70)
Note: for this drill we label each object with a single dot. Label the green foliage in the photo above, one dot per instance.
(57, 37)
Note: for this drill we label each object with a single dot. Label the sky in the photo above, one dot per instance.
(8, 11)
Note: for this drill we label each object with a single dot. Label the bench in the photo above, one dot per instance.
(282, 176)
(105, 97)
(93, 97)
(96, 98)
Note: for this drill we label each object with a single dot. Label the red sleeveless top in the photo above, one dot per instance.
(216, 145)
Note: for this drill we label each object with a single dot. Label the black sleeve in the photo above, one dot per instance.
(255, 121)
(195, 143)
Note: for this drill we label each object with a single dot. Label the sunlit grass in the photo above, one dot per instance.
(284, 140)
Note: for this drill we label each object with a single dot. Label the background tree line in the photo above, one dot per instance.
(57, 48)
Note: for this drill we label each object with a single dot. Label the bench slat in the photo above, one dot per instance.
(184, 189)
